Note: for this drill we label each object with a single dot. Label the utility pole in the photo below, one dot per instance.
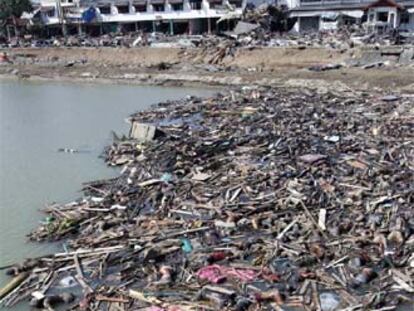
(61, 17)
(80, 21)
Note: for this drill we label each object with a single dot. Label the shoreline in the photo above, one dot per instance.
(114, 81)
(275, 67)
(210, 82)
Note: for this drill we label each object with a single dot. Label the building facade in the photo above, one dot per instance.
(379, 15)
(172, 16)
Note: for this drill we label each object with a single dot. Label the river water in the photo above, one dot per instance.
(36, 119)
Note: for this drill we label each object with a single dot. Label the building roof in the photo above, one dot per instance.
(385, 3)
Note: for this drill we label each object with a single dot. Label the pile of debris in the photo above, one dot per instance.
(212, 50)
(270, 17)
(130, 39)
(259, 198)
(345, 37)
(374, 58)
(264, 26)
(217, 49)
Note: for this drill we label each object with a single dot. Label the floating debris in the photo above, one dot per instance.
(68, 150)
(267, 199)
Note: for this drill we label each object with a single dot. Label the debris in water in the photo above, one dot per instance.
(269, 198)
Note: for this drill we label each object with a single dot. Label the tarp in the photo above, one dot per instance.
(89, 15)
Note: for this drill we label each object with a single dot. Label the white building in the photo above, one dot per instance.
(383, 15)
(173, 16)
(380, 15)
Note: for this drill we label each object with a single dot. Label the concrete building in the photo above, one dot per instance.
(171, 16)
(385, 14)
(381, 15)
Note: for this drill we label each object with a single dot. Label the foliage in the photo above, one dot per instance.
(13, 8)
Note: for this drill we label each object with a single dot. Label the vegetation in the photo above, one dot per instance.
(12, 8)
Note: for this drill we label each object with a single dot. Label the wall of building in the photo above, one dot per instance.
(328, 25)
(392, 18)
(309, 24)
(114, 16)
(290, 3)
(410, 25)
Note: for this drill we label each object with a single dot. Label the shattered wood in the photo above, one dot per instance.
(257, 199)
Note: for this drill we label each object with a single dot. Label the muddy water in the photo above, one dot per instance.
(36, 119)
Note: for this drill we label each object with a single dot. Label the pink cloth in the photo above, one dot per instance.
(218, 274)
(172, 308)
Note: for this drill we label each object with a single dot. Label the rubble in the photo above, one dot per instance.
(130, 39)
(254, 199)
(264, 26)
(325, 67)
(144, 132)
(270, 17)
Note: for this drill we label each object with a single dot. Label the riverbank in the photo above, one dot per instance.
(278, 67)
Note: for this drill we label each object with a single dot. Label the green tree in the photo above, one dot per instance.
(13, 8)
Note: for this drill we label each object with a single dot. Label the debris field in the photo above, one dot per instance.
(256, 199)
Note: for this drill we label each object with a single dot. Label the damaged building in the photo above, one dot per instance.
(97, 17)
(378, 15)
(168, 16)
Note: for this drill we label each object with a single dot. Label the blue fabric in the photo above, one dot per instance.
(89, 15)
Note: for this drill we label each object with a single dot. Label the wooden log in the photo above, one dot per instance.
(143, 297)
(111, 299)
(16, 281)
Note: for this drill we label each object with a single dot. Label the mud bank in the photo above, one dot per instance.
(156, 66)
